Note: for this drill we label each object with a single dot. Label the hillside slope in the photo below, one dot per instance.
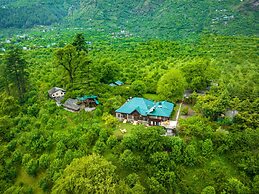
(26, 13)
(156, 18)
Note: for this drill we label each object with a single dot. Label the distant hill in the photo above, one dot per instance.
(151, 18)
(27, 13)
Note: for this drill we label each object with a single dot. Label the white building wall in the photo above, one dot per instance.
(58, 94)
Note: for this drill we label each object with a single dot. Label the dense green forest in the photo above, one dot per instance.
(200, 55)
(157, 18)
(46, 149)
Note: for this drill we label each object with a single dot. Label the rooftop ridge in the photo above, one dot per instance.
(146, 107)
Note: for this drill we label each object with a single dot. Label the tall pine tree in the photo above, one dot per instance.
(15, 73)
(79, 43)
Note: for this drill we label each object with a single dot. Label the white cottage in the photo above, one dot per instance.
(56, 93)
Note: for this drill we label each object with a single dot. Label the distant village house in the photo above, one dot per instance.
(231, 114)
(117, 83)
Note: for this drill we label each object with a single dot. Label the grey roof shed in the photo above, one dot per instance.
(71, 105)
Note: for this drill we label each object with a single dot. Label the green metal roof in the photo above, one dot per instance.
(112, 84)
(87, 97)
(119, 83)
(96, 101)
(147, 107)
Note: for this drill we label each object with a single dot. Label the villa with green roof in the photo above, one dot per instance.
(145, 111)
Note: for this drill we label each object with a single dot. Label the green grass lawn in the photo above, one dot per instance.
(127, 126)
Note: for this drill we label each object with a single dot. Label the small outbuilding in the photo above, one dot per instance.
(119, 83)
(56, 93)
(112, 85)
(231, 113)
(89, 101)
(72, 105)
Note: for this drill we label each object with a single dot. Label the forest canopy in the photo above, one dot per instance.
(70, 66)
(64, 152)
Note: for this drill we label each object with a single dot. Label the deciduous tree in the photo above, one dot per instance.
(208, 190)
(139, 88)
(198, 74)
(89, 174)
(171, 85)
(71, 61)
